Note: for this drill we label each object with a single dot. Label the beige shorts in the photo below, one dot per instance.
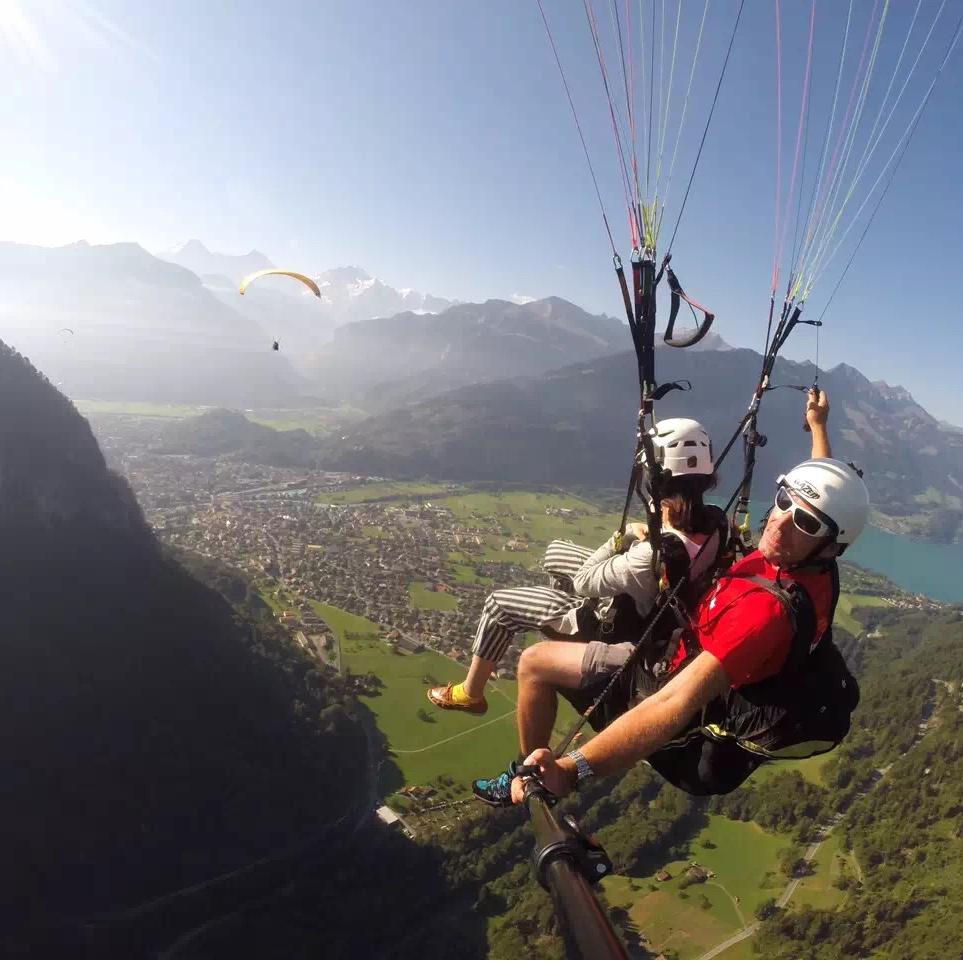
(601, 660)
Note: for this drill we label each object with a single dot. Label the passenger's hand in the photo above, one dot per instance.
(638, 530)
(817, 408)
(557, 775)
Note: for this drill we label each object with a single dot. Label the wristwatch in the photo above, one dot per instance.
(583, 770)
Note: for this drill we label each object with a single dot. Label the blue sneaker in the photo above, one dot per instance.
(496, 792)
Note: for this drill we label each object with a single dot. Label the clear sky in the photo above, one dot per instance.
(430, 142)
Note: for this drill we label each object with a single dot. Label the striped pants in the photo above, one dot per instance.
(508, 611)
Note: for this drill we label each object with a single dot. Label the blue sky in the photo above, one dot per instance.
(431, 143)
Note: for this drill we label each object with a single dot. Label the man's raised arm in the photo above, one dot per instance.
(817, 417)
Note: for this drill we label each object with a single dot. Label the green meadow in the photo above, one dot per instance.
(463, 573)
(140, 409)
(383, 491)
(425, 742)
(424, 597)
(499, 517)
(810, 769)
(849, 601)
(830, 864)
(315, 421)
(688, 920)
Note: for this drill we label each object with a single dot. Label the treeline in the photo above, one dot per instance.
(785, 803)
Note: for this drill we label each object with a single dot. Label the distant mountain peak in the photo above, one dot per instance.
(843, 370)
(192, 245)
(197, 257)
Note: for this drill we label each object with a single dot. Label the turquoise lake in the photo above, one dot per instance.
(934, 570)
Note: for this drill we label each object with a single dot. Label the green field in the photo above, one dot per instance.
(465, 574)
(522, 515)
(810, 769)
(744, 859)
(667, 922)
(141, 409)
(849, 601)
(425, 597)
(276, 599)
(817, 890)
(315, 421)
(744, 854)
(455, 744)
(674, 918)
(380, 491)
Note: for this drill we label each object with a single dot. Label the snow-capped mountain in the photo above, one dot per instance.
(351, 294)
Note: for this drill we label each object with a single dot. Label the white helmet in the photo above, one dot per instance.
(682, 446)
(836, 490)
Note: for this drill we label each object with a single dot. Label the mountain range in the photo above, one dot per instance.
(576, 425)
(385, 362)
(536, 392)
(114, 321)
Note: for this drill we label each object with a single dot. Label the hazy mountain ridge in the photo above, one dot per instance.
(577, 424)
(139, 328)
(195, 256)
(224, 432)
(408, 357)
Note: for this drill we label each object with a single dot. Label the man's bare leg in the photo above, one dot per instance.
(542, 669)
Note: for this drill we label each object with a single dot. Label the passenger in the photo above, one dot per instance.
(581, 576)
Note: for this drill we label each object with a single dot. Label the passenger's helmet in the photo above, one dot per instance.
(682, 447)
(836, 491)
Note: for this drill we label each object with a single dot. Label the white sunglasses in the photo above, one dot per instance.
(805, 519)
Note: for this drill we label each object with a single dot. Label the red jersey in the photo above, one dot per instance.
(746, 628)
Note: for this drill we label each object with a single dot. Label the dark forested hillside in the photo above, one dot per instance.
(224, 432)
(907, 830)
(159, 732)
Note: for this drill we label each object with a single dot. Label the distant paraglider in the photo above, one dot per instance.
(303, 278)
(64, 332)
(276, 346)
